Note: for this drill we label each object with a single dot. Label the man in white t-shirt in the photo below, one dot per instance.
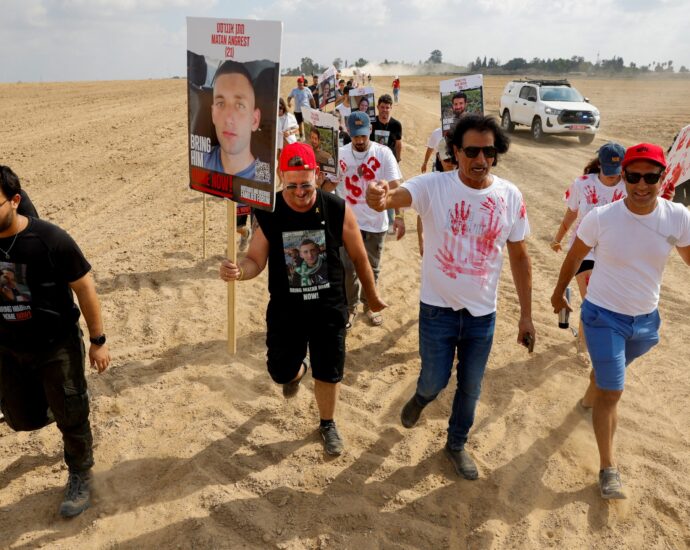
(303, 98)
(361, 162)
(469, 216)
(432, 147)
(632, 239)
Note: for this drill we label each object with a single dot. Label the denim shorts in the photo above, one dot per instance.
(614, 340)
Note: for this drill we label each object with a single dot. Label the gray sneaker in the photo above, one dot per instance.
(610, 484)
(332, 442)
(463, 463)
(77, 494)
(411, 412)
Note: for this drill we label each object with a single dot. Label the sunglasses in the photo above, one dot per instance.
(294, 187)
(473, 152)
(635, 177)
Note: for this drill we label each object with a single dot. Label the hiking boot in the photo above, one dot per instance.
(463, 463)
(610, 484)
(411, 412)
(332, 442)
(291, 388)
(77, 494)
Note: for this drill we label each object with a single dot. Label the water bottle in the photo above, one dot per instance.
(564, 314)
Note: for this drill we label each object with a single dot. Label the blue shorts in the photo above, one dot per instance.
(614, 340)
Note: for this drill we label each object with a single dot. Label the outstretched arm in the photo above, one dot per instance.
(568, 219)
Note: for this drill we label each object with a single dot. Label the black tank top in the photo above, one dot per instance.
(304, 267)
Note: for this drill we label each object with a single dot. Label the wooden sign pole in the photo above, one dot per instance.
(232, 285)
(203, 238)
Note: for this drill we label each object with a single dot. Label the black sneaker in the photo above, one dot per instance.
(77, 495)
(333, 443)
(291, 388)
(411, 412)
(463, 463)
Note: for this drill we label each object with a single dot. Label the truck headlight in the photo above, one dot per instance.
(552, 111)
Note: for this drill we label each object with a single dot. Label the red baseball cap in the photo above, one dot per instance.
(297, 156)
(300, 79)
(644, 151)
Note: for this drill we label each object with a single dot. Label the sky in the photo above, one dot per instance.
(63, 40)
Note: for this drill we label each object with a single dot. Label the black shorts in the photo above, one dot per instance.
(299, 118)
(289, 334)
(586, 265)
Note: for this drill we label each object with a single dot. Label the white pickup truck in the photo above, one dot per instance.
(548, 107)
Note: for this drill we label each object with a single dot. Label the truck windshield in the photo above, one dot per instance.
(560, 93)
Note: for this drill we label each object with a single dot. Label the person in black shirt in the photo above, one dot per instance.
(41, 347)
(307, 306)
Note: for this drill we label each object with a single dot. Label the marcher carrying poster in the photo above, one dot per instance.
(678, 168)
(233, 80)
(362, 99)
(321, 130)
(461, 95)
(327, 87)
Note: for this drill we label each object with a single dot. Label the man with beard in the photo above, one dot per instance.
(41, 347)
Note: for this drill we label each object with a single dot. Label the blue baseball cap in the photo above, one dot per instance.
(358, 124)
(611, 156)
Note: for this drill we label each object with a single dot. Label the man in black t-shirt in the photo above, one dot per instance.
(387, 131)
(307, 306)
(41, 347)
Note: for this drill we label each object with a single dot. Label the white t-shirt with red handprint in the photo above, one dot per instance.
(586, 193)
(465, 231)
(357, 170)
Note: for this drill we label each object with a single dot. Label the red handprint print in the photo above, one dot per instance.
(591, 195)
(617, 195)
(447, 261)
(458, 222)
(353, 191)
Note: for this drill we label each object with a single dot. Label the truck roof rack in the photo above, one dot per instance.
(542, 82)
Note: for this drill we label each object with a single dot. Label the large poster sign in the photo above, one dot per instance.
(461, 95)
(362, 99)
(321, 130)
(327, 87)
(233, 79)
(678, 168)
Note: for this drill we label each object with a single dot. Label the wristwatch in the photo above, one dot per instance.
(98, 340)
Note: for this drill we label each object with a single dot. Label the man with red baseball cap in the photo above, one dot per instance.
(632, 239)
(301, 242)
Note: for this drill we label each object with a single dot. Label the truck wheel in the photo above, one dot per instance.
(586, 139)
(507, 124)
(537, 131)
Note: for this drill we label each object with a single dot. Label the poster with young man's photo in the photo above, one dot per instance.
(677, 179)
(305, 262)
(362, 99)
(233, 86)
(327, 87)
(321, 131)
(460, 96)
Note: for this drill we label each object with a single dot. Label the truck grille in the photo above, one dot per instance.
(576, 117)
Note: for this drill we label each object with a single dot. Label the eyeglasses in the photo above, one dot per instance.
(294, 187)
(473, 152)
(635, 177)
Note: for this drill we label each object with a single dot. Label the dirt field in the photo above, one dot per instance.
(197, 449)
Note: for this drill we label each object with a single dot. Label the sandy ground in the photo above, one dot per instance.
(198, 449)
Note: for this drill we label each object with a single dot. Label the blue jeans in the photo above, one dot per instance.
(442, 331)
